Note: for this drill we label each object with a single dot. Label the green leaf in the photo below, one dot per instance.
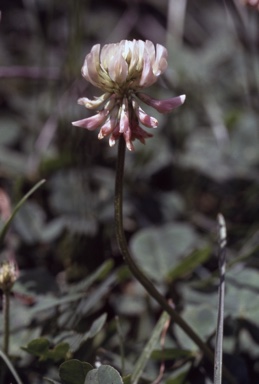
(190, 262)
(74, 371)
(202, 318)
(58, 353)
(37, 347)
(149, 347)
(242, 298)
(97, 325)
(105, 374)
(40, 347)
(127, 379)
(97, 275)
(159, 250)
(76, 340)
(170, 354)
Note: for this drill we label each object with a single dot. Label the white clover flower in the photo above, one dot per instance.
(122, 70)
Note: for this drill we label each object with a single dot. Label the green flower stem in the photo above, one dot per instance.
(138, 274)
(6, 314)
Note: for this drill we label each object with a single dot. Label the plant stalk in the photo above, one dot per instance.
(138, 274)
(220, 322)
(6, 313)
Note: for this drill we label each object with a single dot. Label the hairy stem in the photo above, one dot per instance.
(6, 313)
(138, 274)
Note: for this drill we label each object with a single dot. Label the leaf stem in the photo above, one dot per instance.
(138, 274)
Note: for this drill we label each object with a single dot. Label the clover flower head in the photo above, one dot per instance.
(122, 70)
(8, 275)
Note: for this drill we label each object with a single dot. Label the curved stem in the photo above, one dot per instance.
(138, 274)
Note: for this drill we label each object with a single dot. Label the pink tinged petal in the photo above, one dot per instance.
(150, 51)
(107, 53)
(147, 120)
(93, 104)
(92, 122)
(124, 117)
(140, 134)
(91, 67)
(126, 49)
(127, 138)
(114, 136)
(113, 63)
(160, 64)
(106, 129)
(110, 103)
(143, 117)
(140, 52)
(162, 106)
(124, 122)
(112, 141)
(118, 69)
(147, 77)
(110, 125)
(133, 58)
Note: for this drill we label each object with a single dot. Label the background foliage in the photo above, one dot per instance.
(202, 160)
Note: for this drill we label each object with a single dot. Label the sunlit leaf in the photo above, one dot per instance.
(158, 250)
(105, 374)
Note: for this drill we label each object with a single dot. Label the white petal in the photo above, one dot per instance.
(91, 67)
(160, 64)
